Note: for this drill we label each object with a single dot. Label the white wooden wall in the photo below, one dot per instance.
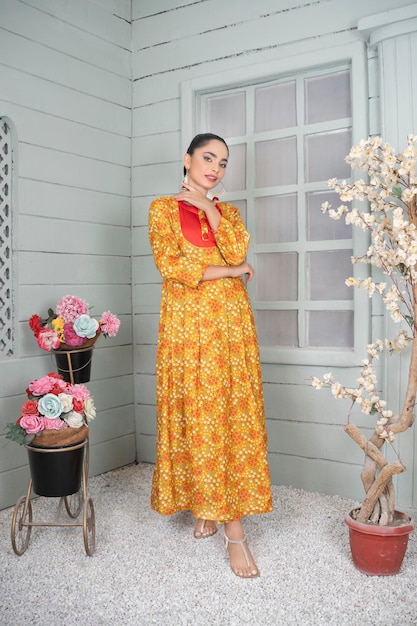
(175, 42)
(65, 83)
(93, 87)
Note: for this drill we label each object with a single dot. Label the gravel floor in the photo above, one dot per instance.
(149, 570)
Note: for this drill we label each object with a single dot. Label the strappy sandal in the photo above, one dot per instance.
(241, 543)
(200, 533)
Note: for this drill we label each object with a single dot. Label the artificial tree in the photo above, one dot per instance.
(389, 215)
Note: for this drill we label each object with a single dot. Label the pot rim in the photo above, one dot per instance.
(65, 448)
(374, 529)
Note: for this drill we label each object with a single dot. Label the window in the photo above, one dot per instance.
(6, 319)
(288, 133)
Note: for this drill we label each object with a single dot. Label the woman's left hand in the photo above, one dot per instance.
(194, 197)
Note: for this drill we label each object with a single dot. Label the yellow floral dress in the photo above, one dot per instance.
(211, 441)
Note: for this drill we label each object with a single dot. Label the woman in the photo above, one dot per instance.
(211, 443)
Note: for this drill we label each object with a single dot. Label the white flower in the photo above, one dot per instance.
(337, 390)
(66, 401)
(89, 409)
(75, 420)
(336, 215)
(373, 352)
(366, 406)
(352, 282)
(387, 435)
(317, 383)
(396, 315)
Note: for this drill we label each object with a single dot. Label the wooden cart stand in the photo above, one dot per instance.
(74, 504)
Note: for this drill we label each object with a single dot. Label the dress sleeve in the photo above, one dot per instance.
(169, 259)
(232, 238)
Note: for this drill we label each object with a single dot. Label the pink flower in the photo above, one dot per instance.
(32, 424)
(41, 386)
(71, 307)
(55, 424)
(71, 337)
(79, 392)
(47, 339)
(109, 324)
(60, 386)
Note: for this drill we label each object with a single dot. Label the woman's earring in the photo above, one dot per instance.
(223, 191)
(185, 180)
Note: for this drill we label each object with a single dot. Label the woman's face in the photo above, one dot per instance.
(207, 165)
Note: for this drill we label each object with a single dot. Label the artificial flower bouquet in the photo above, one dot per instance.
(55, 413)
(71, 326)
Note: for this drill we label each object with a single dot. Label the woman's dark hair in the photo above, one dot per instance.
(201, 140)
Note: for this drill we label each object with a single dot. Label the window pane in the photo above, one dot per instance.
(327, 272)
(276, 162)
(325, 155)
(275, 107)
(235, 178)
(276, 219)
(277, 276)
(327, 97)
(227, 115)
(330, 329)
(277, 328)
(320, 226)
(287, 138)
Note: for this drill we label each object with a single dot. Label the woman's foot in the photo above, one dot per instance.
(204, 528)
(241, 560)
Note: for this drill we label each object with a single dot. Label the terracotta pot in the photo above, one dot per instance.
(379, 550)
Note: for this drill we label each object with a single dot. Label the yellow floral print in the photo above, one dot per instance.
(212, 442)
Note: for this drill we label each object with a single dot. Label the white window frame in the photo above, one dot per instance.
(192, 122)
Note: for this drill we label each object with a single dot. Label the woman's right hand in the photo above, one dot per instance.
(241, 270)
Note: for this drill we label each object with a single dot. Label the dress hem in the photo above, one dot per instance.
(203, 515)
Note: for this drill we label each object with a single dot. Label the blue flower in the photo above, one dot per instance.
(50, 406)
(86, 326)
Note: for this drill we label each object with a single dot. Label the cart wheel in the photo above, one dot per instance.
(20, 531)
(74, 504)
(89, 527)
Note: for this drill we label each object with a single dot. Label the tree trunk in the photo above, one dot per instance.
(379, 504)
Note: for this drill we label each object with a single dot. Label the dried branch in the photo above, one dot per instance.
(370, 449)
(377, 489)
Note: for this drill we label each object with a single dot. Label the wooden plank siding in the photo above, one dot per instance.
(175, 42)
(93, 91)
(65, 84)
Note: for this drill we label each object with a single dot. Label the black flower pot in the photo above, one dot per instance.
(56, 472)
(74, 365)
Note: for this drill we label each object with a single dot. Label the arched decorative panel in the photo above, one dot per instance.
(6, 317)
